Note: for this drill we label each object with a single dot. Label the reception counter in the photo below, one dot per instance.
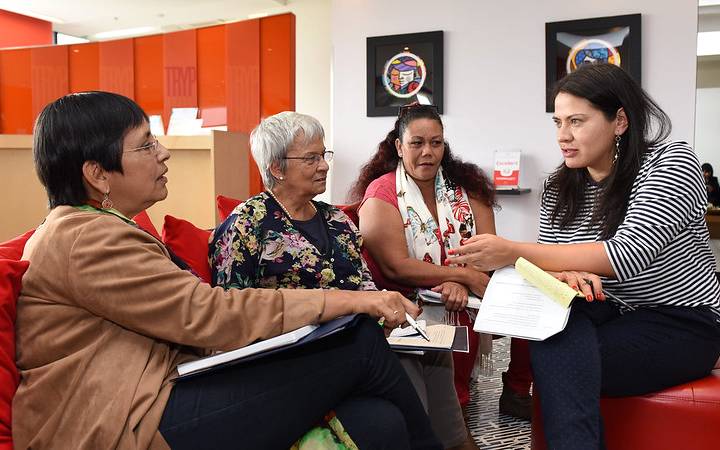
(200, 168)
(713, 222)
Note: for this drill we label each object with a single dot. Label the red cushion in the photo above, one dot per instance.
(225, 205)
(13, 249)
(680, 417)
(144, 222)
(188, 242)
(352, 212)
(11, 273)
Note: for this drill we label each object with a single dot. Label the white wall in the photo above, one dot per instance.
(707, 131)
(312, 62)
(495, 80)
(312, 57)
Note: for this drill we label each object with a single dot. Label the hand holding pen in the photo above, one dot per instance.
(409, 319)
(589, 285)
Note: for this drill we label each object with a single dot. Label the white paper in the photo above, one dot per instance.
(513, 307)
(157, 128)
(409, 331)
(429, 296)
(184, 122)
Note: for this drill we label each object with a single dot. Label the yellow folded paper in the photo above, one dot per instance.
(548, 284)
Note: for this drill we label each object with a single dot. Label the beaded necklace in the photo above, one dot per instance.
(285, 209)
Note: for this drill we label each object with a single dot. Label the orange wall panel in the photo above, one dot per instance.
(116, 67)
(211, 75)
(277, 64)
(17, 30)
(243, 83)
(48, 76)
(149, 74)
(180, 69)
(84, 67)
(15, 92)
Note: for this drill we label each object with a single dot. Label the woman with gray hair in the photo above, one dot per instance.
(282, 238)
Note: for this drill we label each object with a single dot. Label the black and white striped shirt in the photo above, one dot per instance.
(660, 252)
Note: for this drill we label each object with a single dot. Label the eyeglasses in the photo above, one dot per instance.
(315, 158)
(406, 108)
(150, 148)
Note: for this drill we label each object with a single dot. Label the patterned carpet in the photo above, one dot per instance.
(491, 430)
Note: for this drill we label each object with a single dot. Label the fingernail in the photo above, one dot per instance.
(462, 241)
(574, 287)
(589, 297)
(601, 296)
(451, 251)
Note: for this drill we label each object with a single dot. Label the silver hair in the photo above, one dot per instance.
(270, 141)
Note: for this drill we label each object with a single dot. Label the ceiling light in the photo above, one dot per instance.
(126, 32)
(709, 2)
(708, 43)
(62, 38)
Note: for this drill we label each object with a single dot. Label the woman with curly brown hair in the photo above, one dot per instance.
(418, 201)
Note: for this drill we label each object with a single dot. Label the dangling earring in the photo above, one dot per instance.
(617, 148)
(107, 203)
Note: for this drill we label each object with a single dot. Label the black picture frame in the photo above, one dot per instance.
(428, 47)
(621, 33)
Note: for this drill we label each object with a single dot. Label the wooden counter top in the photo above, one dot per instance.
(24, 141)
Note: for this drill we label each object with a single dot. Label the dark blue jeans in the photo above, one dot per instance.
(602, 352)
(271, 402)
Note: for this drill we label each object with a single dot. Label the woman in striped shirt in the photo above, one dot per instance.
(629, 209)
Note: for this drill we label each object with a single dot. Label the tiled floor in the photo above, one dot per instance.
(491, 430)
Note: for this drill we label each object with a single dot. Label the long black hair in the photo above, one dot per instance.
(608, 88)
(467, 175)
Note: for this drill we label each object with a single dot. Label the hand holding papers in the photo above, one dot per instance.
(524, 301)
(548, 284)
(429, 296)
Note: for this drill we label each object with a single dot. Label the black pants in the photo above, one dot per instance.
(602, 352)
(271, 402)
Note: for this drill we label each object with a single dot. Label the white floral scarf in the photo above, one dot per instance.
(424, 237)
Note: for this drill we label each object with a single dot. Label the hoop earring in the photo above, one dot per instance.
(617, 148)
(106, 203)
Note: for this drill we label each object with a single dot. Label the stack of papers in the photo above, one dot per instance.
(442, 337)
(525, 302)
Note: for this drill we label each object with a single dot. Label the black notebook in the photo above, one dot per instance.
(260, 349)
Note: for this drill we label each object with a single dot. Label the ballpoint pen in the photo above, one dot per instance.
(613, 297)
(415, 325)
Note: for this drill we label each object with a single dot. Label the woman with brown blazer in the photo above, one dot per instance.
(105, 316)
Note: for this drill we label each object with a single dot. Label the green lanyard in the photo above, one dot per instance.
(111, 211)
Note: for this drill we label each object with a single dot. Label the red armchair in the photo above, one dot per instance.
(680, 417)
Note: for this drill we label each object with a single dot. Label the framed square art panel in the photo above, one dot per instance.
(402, 69)
(572, 43)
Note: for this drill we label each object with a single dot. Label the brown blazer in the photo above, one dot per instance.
(103, 319)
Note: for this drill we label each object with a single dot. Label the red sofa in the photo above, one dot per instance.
(685, 417)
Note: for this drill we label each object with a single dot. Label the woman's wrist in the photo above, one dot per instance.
(512, 252)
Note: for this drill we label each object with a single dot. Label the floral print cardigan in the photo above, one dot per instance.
(258, 246)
